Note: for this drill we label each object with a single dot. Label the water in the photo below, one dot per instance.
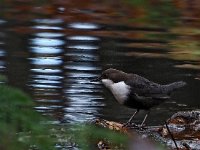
(53, 49)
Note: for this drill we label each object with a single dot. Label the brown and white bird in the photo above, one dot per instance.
(135, 91)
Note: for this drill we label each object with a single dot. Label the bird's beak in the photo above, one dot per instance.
(96, 79)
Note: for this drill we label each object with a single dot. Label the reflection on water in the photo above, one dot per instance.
(84, 26)
(62, 66)
(47, 76)
(53, 51)
(47, 24)
(82, 66)
(2, 48)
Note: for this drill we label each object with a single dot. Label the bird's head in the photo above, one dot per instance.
(110, 76)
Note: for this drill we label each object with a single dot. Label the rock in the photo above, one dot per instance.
(136, 142)
(185, 128)
(183, 125)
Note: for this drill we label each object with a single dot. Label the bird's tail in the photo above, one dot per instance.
(174, 86)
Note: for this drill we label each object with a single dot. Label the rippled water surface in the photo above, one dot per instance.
(53, 49)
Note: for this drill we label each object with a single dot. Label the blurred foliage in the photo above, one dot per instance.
(20, 126)
(185, 49)
(142, 3)
(187, 31)
(186, 46)
(182, 40)
(3, 78)
(87, 136)
(161, 13)
(23, 128)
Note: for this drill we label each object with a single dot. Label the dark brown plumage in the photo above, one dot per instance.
(139, 92)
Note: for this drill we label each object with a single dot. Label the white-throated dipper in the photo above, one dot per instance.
(135, 91)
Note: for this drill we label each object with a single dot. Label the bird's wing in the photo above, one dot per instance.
(145, 88)
(145, 102)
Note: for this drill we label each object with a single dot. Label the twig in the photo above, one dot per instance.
(186, 146)
(173, 139)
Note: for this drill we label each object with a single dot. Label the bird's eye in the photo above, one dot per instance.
(104, 76)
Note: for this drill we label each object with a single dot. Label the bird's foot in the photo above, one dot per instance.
(129, 125)
(142, 127)
(138, 127)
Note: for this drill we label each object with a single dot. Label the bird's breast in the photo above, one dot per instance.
(120, 91)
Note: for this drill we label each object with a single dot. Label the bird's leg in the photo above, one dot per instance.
(131, 118)
(142, 124)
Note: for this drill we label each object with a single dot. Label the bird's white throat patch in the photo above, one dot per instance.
(107, 83)
(120, 90)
